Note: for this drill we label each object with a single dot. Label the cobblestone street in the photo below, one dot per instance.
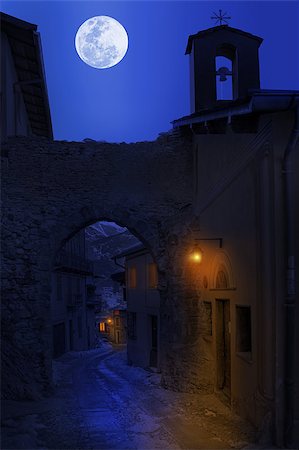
(102, 403)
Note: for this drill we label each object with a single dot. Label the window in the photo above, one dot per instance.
(132, 275)
(69, 289)
(152, 275)
(102, 327)
(78, 286)
(221, 279)
(243, 330)
(132, 325)
(59, 287)
(80, 326)
(117, 323)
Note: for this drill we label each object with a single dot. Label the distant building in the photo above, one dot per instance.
(24, 97)
(143, 303)
(113, 326)
(120, 326)
(72, 310)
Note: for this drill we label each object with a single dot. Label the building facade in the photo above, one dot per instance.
(143, 308)
(246, 196)
(227, 324)
(72, 311)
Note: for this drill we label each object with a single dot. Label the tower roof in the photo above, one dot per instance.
(218, 29)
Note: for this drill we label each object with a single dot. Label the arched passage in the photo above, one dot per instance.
(51, 190)
(84, 290)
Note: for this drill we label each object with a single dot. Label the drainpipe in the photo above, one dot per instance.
(290, 294)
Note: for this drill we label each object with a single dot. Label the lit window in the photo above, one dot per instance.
(152, 276)
(102, 326)
(132, 277)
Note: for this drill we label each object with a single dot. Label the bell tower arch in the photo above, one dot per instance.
(224, 66)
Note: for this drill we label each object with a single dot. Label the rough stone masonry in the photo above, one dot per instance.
(51, 190)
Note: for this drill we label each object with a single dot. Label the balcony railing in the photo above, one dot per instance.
(68, 262)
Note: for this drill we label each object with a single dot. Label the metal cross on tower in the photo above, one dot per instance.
(220, 17)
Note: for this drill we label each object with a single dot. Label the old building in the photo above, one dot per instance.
(242, 260)
(143, 307)
(120, 326)
(24, 98)
(72, 310)
(215, 204)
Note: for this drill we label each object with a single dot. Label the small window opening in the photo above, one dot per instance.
(132, 325)
(221, 280)
(224, 78)
(132, 277)
(59, 288)
(243, 330)
(79, 326)
(152, 276)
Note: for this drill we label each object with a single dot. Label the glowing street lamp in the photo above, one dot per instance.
(197, 253)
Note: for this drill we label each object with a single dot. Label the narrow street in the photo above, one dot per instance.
(102, 403)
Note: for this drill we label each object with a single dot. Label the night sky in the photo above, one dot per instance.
(138, 98)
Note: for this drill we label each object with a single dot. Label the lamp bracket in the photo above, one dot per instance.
(212, 239)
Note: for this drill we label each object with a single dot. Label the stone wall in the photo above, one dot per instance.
(50, 191)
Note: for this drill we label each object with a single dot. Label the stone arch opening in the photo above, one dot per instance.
(69, 259)
(52, 190)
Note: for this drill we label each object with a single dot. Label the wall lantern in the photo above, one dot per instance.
(197, 253)
(109, 321)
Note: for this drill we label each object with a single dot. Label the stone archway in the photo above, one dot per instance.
(51, 190)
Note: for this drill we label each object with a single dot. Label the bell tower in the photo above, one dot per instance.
(224, 65)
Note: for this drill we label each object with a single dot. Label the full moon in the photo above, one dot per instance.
(101, 42)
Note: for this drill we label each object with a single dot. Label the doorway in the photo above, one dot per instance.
(71, 332)
(154, 341)
(223, 347)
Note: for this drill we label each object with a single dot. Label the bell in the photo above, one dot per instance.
(223, 72)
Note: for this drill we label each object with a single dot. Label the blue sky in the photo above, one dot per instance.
(138, 98)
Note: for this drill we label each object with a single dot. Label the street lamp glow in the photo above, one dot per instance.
(196, 254)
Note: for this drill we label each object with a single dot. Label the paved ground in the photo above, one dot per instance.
(102, 403)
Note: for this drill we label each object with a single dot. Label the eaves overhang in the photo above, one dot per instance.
(139, 248)
(25, 44)
(259, 101)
